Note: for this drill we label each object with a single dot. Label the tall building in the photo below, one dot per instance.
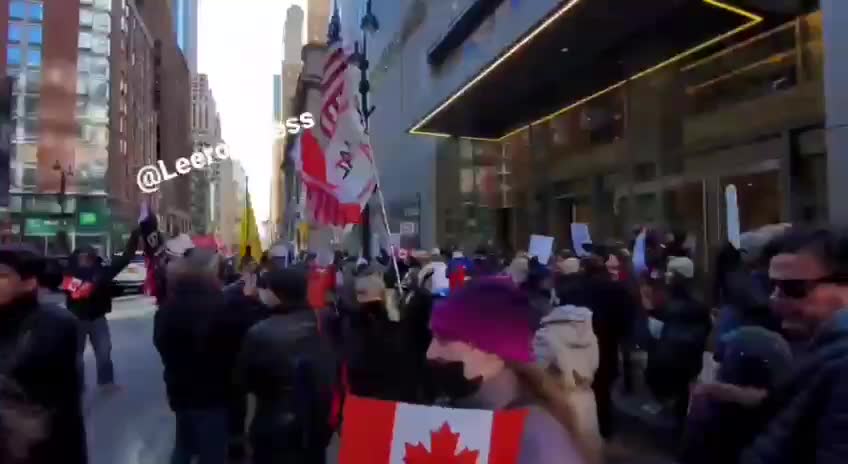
(278, 98)
(292, 64)
(83, 118)
(654, 132)
(172, 100)
(228, 183)
(318, 12)
(205, 131)
(185, 18)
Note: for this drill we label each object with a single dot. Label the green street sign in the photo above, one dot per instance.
(43, 227)
(87, 219)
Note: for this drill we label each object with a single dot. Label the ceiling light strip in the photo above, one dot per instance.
(497, 62)
(754, 20)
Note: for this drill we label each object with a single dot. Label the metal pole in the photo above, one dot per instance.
(418, 218)
(364, 88)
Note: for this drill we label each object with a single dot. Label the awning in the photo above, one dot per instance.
(584, 49)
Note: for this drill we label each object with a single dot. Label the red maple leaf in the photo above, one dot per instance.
(443, 444)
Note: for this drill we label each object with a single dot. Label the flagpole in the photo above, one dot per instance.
(370, 24)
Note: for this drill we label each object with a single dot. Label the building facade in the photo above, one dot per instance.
(83, 118)
(205, 131)
(185, 16)
(318, 17)
(172, 100)
(291, 68)
(655, 136)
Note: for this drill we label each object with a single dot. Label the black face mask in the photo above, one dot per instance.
(449, 380)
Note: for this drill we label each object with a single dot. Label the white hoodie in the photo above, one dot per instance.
(566, 344)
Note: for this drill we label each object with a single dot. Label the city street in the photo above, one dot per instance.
(132, 425)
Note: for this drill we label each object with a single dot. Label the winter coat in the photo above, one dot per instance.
(191, 333)
(434, 277)
(806, 416)
(291, 369)
(98, 303)
(678, 356)
(381, 363)
(567, 345)
(38, 352)
(613, 311)
(544, 440)
(745, 302)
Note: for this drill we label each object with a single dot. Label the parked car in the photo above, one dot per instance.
(132, 277)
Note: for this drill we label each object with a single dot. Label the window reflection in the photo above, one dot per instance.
(33, 82)
(102, 22)
(13, 56)
(36, 12)
(35, 36)
(34, 58)
(17, 10)
(15, 33)
(84, 41)
(86, 17)
(31, 106)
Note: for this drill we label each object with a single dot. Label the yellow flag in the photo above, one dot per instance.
(249, 233)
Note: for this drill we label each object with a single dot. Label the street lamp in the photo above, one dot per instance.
(369, 25)
(63, 183)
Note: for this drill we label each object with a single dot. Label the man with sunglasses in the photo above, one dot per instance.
(804, 418)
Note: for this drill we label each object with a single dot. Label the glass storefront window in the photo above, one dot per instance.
(17, 10)
(34, 35)
(15, 33)
(13, 56)
(758, 198)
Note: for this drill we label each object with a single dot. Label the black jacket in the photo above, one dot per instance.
(613, 312)
(291, 369)
(678, 356)
(38, 350)
(190, 333)
(806, 416)
(381, 360)
(99, 302)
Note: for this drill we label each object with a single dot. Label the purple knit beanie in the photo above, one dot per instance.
(489, 314)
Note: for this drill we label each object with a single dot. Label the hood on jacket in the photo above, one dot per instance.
(567, 341)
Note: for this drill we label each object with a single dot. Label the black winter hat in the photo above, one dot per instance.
(24, 259)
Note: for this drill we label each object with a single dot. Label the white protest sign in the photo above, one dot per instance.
(541, 246)
(579, 237)
(734, 233)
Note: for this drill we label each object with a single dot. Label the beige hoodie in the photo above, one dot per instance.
(567, 345)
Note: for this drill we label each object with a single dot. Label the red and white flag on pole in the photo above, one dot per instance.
(383, 432)
(335, 158)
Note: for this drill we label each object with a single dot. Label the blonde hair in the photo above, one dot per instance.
(546, 389)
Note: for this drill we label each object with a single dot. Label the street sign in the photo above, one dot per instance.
(407, 228)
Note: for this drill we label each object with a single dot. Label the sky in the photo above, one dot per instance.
(240, 48)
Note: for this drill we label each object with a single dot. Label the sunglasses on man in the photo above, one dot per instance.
(800, 288)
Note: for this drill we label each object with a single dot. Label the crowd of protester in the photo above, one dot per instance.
(440, 328)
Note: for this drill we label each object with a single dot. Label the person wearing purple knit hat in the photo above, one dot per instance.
(481, 357)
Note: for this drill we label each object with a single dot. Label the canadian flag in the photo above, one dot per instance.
(383, 432)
